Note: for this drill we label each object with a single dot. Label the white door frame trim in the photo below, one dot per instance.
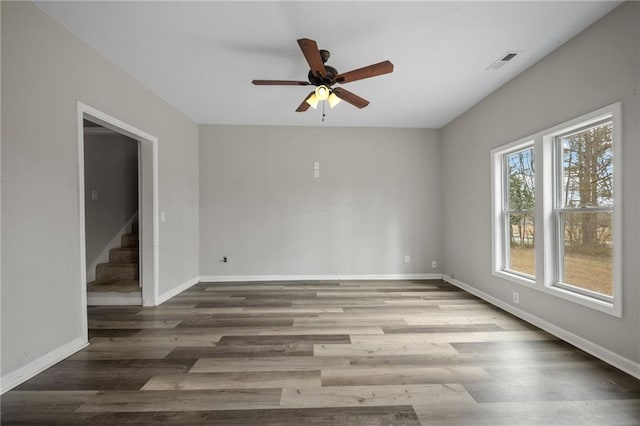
(149, 292)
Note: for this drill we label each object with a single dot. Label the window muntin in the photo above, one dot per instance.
(584, 209)
(518, 177)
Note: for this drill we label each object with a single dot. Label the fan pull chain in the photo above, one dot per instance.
(323, 111)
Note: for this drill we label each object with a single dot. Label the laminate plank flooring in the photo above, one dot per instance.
(323, 353)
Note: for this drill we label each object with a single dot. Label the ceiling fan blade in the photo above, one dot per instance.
(280, 83)
(352, 98)
(365, 72)
(312, 55)
(304, 105)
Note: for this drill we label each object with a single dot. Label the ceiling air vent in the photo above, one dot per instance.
(503, 60)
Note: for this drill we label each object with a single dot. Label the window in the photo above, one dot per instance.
(515, 179)
(583, 213)
(556, 220)
(519, 179)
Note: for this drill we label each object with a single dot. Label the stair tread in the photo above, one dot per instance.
(124, 255)
(123, 271)
(118, 263)
(113, 285)
(130, 241)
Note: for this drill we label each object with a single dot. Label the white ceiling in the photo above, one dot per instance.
(201, 56)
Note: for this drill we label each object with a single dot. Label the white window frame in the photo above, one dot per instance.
(500, 196)
(546, 218)
(551, 214)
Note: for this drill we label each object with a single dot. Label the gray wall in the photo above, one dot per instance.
(45, 70)
(381, 192)
(111, 169)
(378, 198)
(598, 67)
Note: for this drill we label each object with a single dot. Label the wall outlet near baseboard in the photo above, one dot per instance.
(516, 298)
(434, 264)
(407, 258)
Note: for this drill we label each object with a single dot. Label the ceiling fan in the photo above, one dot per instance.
(325, 76)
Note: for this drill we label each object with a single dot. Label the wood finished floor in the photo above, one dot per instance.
(331, 353)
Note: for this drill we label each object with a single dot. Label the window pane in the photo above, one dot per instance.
(520, 183)
(521, 256)
(587, 167)
(588, 251)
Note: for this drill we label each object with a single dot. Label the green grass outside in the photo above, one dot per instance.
(589, 271)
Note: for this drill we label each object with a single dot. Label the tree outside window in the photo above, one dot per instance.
(519, 211)
(585, 208)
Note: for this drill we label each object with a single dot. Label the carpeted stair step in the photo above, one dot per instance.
(123, 255)
(121, 271)
(129, 241)
(113, 285)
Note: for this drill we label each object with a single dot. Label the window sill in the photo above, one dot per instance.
(613, 309)
(516, 278)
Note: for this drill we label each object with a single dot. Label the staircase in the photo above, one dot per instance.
(118, 281)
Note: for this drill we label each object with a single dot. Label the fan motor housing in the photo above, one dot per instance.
(329, 80)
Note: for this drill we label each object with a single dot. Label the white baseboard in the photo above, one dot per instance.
(236, 278)
(24, 373)
(244, 278)
(177, 290)
(618, 361)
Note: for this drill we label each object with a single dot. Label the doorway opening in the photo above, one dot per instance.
(118, 209)
(111, 194)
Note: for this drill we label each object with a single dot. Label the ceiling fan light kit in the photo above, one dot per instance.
(333, 100)
(313, 100)
(325, 76)
(322, 92)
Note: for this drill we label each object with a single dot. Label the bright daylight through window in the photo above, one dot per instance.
(518, 215)
(584, 208)
(556, 216)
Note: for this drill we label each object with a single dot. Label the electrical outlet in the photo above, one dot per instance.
(434, 264)
(224, 259)
(516, 298)
(407, 258)
(453, 276)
